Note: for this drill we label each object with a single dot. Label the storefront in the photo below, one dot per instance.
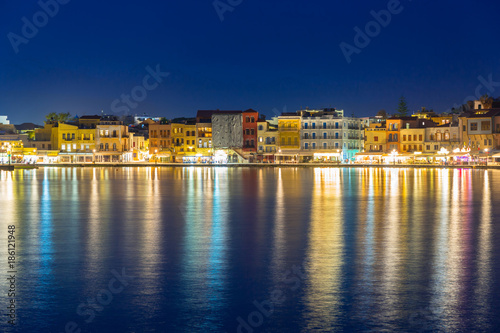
(368, 158)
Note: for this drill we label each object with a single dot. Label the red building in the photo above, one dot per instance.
(250, 118)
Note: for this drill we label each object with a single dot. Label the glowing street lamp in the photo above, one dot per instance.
(394, 154)
(156, 156)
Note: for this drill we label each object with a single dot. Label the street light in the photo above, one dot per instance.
(93, 156)
(394, 153)
(156, 156)
(486, 151)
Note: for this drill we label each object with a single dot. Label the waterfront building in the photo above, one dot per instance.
(250, 118)
(267, 140)
(412, 140)
(204, 147)
(112, 141)
(227, 127)
(159, 141)
(443, 137)
(183, 137)
(353, 136)
(480, 130)
(321, 135)
(289, 137)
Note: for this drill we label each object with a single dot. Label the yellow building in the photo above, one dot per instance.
(159, 142)
(75, 142)
(112, 141)
(183, 136)
(375, 139)
(204, 147)
(412, 140)
(267, 141)
(11, 151)
(289, 137)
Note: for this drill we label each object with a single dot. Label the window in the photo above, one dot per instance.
(63, 147)
(414, 137)
(446, 135)
(485, 126)
(314, 145)
(473, 126)
(390, 137)
(463, 128)
(260, 139)
(428, 147)
(64, 136)
(305, 125)
(404, 137)
(324, 145)
(252, 131)
(261, 127)
(252, 120)
(106, 146)
(114, 146)
(420, 137)
(247, 131)
(289, 141)
(306, 136)
(306, 145)
(420, 147)
(324, 135)
(489, 142)
(432, 137)
(336, 125)
(395, 137)
(485, 142)
(324, 125)
(375, 138)
(404, 147)
(295, 141)
(436, 147)
(252, 142)
(114, 134)
(314, 135)
(313, 125)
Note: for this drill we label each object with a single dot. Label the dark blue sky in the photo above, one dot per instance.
(264, 55)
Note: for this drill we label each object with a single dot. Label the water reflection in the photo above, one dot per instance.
(325, 253)
(383, 249)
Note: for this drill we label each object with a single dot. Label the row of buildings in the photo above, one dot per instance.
(214, 136)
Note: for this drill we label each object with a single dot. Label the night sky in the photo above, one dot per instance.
(266, 55)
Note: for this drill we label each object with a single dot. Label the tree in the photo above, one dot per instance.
(57, 117)
(382, 114)
(402, 110)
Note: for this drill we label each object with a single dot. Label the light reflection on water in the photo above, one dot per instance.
(380, 249)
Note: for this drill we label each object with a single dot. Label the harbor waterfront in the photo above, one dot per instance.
(249, 249)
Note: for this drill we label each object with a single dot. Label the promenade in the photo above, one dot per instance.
(270, 165)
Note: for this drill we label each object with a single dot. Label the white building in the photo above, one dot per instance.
(4, 121)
